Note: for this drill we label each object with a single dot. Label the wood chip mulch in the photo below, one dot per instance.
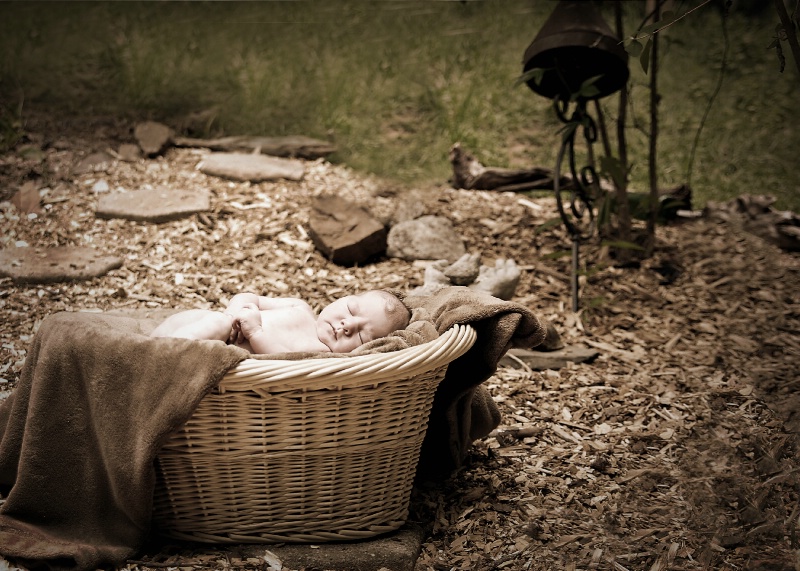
(675, 449)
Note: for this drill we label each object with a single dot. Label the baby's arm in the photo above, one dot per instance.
(247, 325)
(263, 302)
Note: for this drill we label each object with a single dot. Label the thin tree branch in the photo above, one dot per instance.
(717, 87)
(791, 34)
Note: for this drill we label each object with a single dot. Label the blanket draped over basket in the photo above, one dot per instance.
(97, 398)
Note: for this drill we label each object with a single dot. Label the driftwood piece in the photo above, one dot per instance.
(541, 361)
(290, 146)
(470, 174)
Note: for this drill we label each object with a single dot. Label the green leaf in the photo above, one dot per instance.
(650, 28)
(536, 74)
(596, 302)
(644, 59)
(588, 92)
(588, 89)
(552, 223)
(633, 47)
(568, 131)
(622, 245)
(557, 255)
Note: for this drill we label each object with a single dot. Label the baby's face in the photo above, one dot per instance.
(351, 321)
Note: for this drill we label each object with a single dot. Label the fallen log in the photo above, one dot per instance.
(294, 146)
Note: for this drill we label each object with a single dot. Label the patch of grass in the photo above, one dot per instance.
(11, 127)
(395, 83)
(747, 143)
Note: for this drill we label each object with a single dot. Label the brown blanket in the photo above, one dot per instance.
(97, 398)
(463, 410)
(79, 434)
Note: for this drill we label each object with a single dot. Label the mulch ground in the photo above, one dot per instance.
(675, 449)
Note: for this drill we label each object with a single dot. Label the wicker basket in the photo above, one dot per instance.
(303, 451)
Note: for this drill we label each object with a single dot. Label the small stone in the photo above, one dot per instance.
(95, 162)
(153, 137)
(464, 270)
(434, 279)
(129, 153)
(500, 281)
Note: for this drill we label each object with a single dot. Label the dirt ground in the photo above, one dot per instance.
(675, 449)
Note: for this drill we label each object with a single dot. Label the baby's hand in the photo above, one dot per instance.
(246, 321)
(235, 336)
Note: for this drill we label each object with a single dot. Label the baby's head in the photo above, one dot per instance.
(353, 320)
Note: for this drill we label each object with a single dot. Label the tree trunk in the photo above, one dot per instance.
(651, 163)
(623, 210)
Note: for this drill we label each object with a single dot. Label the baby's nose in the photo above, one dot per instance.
(349, 326)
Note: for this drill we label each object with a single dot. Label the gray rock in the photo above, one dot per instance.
(344, 232)
(58, 264)
(501, 281)
(425, 238)
(153, 138)
(251, 167)
(408, 208)
(434, 279)
(153, 205)
(465, 270)
(95, 162)
(129, 153)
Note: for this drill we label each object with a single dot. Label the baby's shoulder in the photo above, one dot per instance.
(298, 309)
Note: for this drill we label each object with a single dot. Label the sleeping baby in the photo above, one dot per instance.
(264, 324)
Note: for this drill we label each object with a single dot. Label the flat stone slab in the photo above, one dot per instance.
(153, 205)
(543, 360)
(57, 264)
(397, 551)
(251, 167)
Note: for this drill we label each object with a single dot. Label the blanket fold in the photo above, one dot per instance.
(97, 398)
(463, 411)
(78, 436)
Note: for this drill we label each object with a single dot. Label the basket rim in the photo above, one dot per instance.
(275, 375)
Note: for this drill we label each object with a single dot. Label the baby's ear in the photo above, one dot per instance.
(396, 293)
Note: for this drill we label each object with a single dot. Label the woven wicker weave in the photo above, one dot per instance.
(303, 451)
